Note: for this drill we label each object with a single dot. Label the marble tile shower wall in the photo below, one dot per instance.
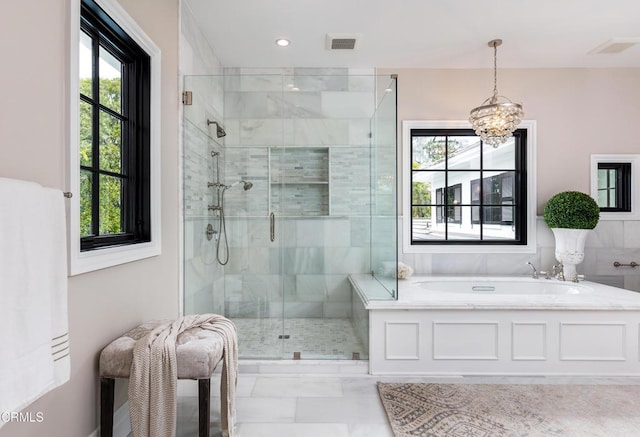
(202, 273)
(250, 164)
(200, 70)
(325, 113)
(302, 274)
(350, 181)
(611, 240)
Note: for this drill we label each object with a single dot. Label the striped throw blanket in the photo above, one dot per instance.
(153, 378)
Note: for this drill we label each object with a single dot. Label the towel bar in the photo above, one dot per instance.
(631, 264)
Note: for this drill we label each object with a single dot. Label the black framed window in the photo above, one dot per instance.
(614, 186)
(454, 197)
(114, 82)
(497, 190)
(466, 192)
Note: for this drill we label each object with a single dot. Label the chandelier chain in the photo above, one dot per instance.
(495, 70)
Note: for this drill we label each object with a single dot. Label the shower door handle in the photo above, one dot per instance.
(272, 227)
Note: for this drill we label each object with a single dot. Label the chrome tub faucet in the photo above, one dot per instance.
(534, 272)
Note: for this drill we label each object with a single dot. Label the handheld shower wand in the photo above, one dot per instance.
(221, 240)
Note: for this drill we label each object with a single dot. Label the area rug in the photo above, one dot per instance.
(495, 410)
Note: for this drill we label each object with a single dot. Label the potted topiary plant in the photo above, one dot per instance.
(571, 215)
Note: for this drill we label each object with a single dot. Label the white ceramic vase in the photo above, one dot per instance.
(570, 249)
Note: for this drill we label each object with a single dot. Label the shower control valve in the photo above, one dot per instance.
(214, 184)
(214, 208)
(210, 232)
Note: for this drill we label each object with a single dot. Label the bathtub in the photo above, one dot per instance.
(502, 326)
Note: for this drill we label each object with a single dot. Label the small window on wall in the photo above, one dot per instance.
(464, 192)
(614, 186)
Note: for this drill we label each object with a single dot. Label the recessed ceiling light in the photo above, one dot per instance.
(282, 42)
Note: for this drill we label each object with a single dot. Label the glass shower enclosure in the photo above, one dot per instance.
(289, 186)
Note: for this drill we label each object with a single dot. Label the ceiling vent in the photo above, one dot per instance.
(615, 45)
(342, 41)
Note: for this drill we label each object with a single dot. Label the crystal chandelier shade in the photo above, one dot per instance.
(497, 117)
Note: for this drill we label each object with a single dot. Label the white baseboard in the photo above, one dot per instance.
(121, 423)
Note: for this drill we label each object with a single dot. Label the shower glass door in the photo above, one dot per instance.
(281, 184)
(254, 285)
(234, 269)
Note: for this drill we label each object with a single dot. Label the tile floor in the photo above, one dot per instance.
(314, 338)
(326, 405)
(296, 406)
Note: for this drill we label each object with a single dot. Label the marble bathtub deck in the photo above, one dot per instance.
(584, 295)
(327, 405)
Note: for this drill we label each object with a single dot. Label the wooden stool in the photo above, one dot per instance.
(198, 352)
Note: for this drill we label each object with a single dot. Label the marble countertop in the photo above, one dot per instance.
(412, 295)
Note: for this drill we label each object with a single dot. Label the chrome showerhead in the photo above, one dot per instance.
(246, 185)
(220, 132)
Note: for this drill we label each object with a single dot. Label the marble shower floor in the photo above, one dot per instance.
(314, 338)
(329, 405)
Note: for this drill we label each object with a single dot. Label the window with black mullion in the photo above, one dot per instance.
(497, 193)
(115, 139)
(108, 126)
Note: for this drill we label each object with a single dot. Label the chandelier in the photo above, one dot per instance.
(497, 117)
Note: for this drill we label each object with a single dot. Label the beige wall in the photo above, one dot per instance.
(33, 122)
(579, 112)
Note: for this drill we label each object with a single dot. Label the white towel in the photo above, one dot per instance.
(34, 352)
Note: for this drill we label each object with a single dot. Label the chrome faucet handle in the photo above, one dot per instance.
(577, 278)
(558, 271)
(534, 272)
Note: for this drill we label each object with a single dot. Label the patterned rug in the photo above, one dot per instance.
(495, 410)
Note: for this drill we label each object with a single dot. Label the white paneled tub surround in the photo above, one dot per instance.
(502, 326)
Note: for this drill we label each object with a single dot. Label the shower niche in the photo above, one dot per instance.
(299, 181)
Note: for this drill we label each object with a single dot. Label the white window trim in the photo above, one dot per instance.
(407, 247)
(83, 262)
(634, 160)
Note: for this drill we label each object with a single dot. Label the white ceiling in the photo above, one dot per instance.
(420, 33)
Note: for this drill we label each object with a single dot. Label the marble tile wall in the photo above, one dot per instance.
(199, 168)
(324, 127)
(249, 164)
(197, 57)
(299, 165)
(300, 200)
(301, 274)
(305, 108)
(611, 240)
(200, 72)
(351, 181)
(202, 273)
